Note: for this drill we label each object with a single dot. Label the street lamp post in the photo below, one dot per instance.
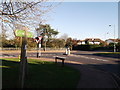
(114, 39)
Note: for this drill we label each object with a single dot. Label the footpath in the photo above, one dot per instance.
(92, 78)
(89, 77)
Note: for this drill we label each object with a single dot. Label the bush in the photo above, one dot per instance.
(87, 47)
(97, 47)
(118, 46)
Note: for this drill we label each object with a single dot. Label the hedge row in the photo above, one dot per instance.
(85, 47)
(95, 47)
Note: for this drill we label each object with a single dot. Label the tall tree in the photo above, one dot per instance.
(46, 32)
(69, 43)
(56, 43)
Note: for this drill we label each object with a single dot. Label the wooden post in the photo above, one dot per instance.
(37, 50)
(23, 63)
(55, 59)
(62, 62)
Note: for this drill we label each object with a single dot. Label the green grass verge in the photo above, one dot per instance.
(41, 74)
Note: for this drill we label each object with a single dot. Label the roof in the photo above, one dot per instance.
(116, 40)
(91, 40)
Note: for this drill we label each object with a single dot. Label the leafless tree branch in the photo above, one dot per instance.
(24, 13)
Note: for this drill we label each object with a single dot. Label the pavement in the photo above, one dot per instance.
(90, 77)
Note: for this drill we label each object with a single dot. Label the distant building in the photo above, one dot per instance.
(80, 42)
(108, 41)
(90, 41)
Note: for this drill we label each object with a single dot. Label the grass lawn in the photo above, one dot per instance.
(41, 74)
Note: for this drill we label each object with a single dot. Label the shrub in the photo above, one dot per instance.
(86, 47)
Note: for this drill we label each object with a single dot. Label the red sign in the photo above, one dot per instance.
(38, 39)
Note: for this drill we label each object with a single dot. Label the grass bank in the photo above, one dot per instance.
(41, 74)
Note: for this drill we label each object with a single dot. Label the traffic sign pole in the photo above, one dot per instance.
(38, 40)
(23, 62)
(21, 33)
(40, 49)
(23, 58)
(37, 50)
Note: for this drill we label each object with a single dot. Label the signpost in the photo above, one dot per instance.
(38, 41)
(23, 58)
(21, 33)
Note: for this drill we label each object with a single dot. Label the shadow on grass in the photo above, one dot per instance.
(49, 75)
(40, 75)
(10, 72)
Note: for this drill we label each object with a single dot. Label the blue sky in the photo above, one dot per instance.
(85, 19)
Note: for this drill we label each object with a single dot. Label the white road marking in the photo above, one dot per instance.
(89, 58)
(98, 59)
(86, 57)
(92, 58)
(104, 60)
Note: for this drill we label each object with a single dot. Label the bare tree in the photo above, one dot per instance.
(17, 12)
(22, 12)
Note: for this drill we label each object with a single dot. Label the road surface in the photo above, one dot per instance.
(107, 64)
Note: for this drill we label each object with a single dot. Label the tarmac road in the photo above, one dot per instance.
(107, 64)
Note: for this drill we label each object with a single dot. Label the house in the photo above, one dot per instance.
(80, 42)
(90, 41)
(108, 41)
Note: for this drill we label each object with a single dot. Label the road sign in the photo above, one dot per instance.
(38, 39)
(21, 33)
